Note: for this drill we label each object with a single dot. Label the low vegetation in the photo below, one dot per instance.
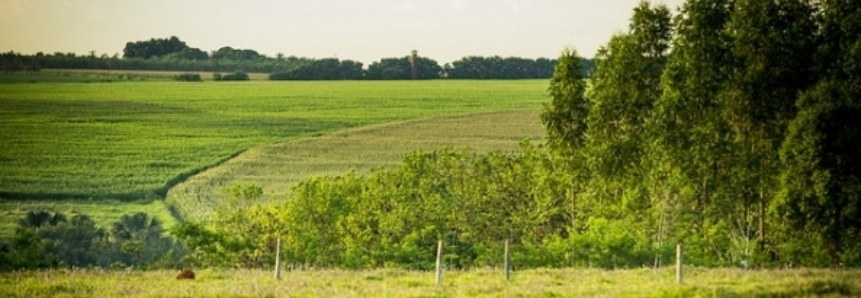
(400, 283)
(188, 77)
(44, 239)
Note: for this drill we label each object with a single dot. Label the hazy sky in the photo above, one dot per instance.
(363, 30)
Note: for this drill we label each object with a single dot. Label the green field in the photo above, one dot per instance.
(133, 141)
(277, 167)
(398, 283)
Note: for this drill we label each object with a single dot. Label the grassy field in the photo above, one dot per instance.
(397, 283)
(130, 141)
(277, 167)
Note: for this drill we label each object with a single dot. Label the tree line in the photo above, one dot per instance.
(173, 54)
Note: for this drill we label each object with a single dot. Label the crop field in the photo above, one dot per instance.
(277, 167)
(399, 283)
(130, 141)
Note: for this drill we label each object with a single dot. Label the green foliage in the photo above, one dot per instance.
(135, 240)
(154, 47)
(37, 219)
(394, 217)
(229, 53)
(821, 177)
(400, 69)
(565, 116)
(476, 67)
(235, 76)
(321, 69)
(188, 77)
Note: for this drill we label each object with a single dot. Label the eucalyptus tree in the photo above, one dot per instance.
(565, 122)
(688, 135)
(625, 86)
(821, 176)
(772, 60)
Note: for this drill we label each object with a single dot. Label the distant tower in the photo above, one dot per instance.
(413, 68)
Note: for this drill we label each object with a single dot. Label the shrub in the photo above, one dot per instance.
(188, 77)
(236, 76)
(282, 75)
(216, 76)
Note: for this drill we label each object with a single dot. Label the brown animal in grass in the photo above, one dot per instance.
(186, 274)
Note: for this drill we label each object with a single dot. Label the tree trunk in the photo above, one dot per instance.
(761, 244)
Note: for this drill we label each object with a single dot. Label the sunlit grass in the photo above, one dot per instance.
(399, 283)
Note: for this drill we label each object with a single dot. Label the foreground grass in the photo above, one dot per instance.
(277, 167)
(128, 141)
(397, 283)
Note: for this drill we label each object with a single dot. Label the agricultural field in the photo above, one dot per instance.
(133, 141)
(276, 167)
(399, 283)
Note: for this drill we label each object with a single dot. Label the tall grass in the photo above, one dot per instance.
(398, 283)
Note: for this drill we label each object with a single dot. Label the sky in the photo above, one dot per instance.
(361, 30)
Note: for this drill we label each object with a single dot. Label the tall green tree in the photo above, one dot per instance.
(565, 116)
(624, 88)
(565, 122)
(689, 136)
(821, 176)
(772, 52)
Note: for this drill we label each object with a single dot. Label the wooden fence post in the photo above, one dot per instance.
(679, 262)
(507, 261)
(278, 259)
(439, 263)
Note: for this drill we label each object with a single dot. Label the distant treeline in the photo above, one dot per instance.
(172, 54)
